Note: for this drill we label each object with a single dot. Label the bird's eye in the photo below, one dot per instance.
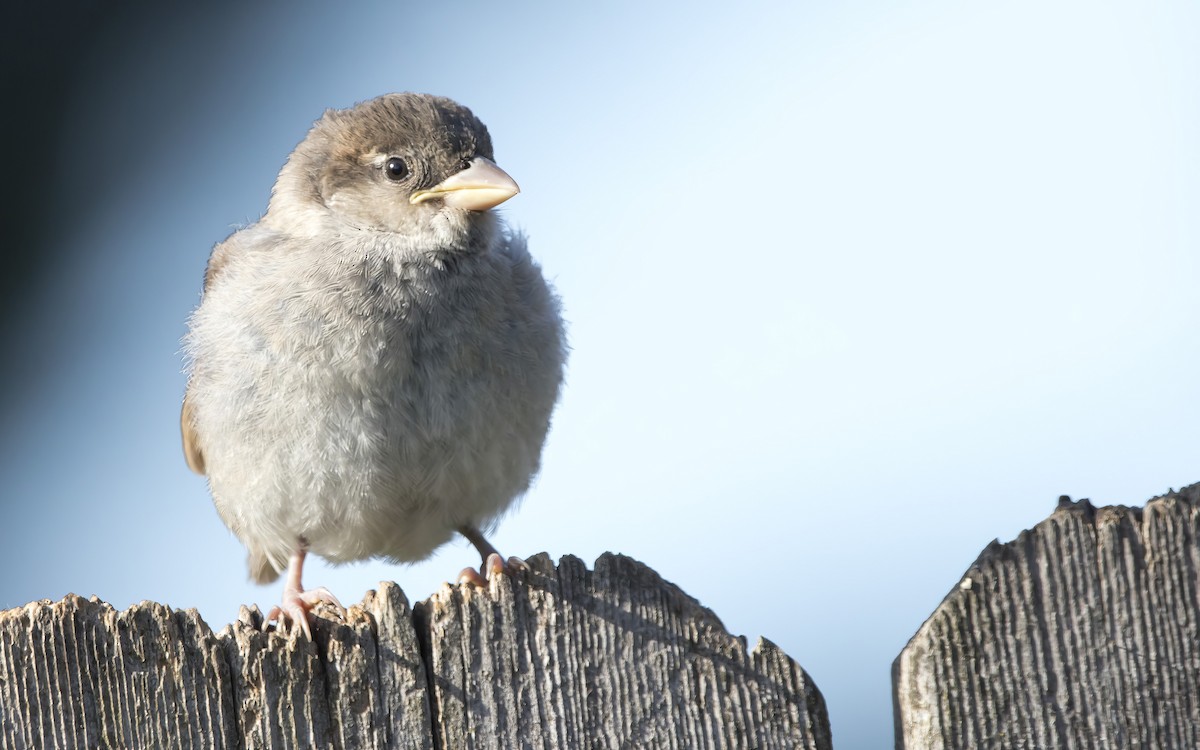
(395, 168)
(464, 164)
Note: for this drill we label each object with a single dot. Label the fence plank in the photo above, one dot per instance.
(656, 669)
(1081, 633)
(551, 658)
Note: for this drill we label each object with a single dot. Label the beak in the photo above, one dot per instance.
(477, 188)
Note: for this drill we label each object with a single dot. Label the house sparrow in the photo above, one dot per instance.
(373, 363)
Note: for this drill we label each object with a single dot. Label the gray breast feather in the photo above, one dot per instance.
(368, 399)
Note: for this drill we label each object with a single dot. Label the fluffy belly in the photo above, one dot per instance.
(371, 407)
(374, 452)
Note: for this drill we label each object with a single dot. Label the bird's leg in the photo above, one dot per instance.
(297, 602)
(493, 563)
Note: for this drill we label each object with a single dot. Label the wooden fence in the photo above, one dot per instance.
(559, 657)
(1081, 633)
(1084, 632)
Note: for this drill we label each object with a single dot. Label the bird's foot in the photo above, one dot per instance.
(492, 566)
(297, 604)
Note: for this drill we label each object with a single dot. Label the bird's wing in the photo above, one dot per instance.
(219, 258)
(191, 442)
(187, 426)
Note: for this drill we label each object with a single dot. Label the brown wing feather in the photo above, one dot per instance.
(191, 442)
(187, 426)
(217, 260)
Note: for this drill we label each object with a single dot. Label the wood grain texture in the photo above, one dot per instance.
(615, 658)
(79, 674)
(1081, 633)
(550, 658)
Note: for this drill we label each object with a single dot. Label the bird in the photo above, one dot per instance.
(373, 365)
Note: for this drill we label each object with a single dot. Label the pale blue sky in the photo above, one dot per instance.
(853, 289)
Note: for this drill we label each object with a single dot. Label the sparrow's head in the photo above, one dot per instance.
(404, 163)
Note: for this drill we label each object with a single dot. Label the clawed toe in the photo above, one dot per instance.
(288, 612)
(494, 565)
(296, 607)
(298, 602)
(312, 597)
(516, 563)
(472, 576)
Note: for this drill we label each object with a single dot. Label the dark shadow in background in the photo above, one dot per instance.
(43, 47)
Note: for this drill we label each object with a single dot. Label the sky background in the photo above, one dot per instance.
(853, 289)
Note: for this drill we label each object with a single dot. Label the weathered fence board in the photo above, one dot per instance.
(656, 669)
(1081, 633)
(553, 658)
